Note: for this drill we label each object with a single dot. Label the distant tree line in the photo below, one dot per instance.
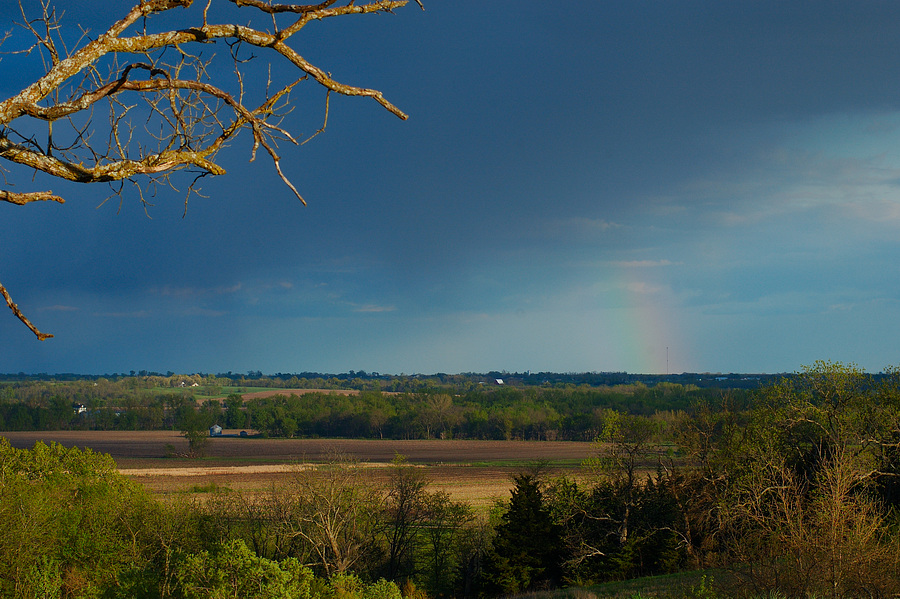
(362, 380)
(501, 413)
(481, 412)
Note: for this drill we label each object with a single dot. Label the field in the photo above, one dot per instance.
(254, 393)
(473, 471)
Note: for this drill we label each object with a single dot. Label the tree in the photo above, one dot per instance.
(195, 428)
(800, 510)
(334, 511)
(526, 552)
(236, 571)
(405, 510)
(448, 520)
(66, 516)
(624, 445)
(188, 113)
(235, 417)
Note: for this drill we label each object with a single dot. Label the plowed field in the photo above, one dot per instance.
(475, 471)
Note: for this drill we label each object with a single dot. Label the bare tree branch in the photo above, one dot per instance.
(24, 198)
(18, 313)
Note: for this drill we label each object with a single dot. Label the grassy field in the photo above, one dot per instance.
(203, 393)
(477, 472)
(684, 585)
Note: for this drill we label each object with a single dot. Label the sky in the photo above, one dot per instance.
(647, 186)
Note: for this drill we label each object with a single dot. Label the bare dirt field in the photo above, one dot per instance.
(474, 471)
(147, 449)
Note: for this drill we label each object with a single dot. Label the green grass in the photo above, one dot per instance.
(208, 488)
(683, 585)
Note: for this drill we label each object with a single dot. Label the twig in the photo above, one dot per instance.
(15, 309)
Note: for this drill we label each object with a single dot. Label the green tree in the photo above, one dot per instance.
(235, 417)
(623, 448)
(232, 570)
(526, 553)
(350, 586)
(800, 510)
(66, 517)
(195, 428)
(447, 523)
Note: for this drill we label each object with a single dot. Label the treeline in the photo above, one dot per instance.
(482, 412)
(504, 413)
(403, 383)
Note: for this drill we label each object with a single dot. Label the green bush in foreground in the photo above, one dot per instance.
(74, 528)
(235, 571)
(66, 517)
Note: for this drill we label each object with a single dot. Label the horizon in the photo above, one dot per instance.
(251, 375)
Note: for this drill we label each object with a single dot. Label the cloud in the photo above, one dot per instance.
(644, 263)
(171, 291)
(809, 302)
(59, 308)
(578, 228)
(845, 167)
(195, 311)
(373, 308)
(590, 224)
(643, 288)
(225, 290)
(135, 314)
(878, 210)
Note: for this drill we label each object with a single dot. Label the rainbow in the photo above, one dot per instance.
(640, 324)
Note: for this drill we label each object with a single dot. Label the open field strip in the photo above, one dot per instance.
(477, 472)
(228, 470)
(261, 392)
(135, 449)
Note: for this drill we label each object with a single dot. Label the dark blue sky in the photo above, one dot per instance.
(578, 188)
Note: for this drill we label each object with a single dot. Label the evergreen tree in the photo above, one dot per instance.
(526, 552)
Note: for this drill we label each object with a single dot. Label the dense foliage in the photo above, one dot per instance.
(74, 527)
(793, 493)
(466, 410)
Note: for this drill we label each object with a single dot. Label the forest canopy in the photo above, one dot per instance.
(409, 407)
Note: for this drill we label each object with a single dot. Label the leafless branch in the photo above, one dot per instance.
(33, 196)
(18, 313)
